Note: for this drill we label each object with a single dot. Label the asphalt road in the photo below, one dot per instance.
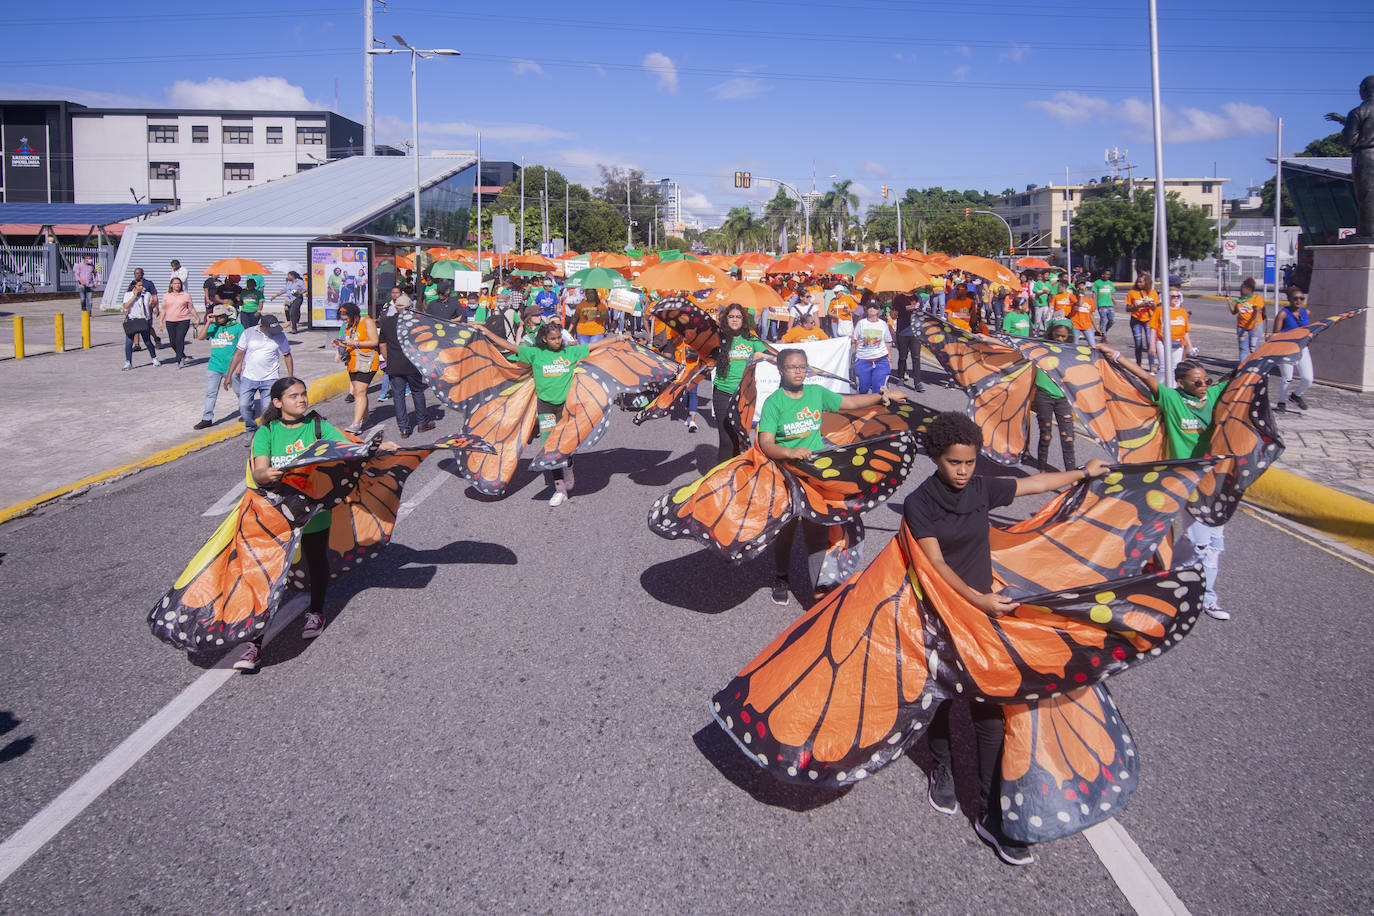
(507, 712)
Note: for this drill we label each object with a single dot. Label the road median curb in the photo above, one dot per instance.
(1347, 518)
(321, 389)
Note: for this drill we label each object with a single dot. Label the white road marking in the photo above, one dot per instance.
(61, 811)
(227, 501)
(1141, 883)
(425, 493)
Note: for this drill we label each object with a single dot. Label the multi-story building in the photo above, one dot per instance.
(161, 155)
(1040, 217)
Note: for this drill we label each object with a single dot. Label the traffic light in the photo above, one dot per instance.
(968, 211)
(739, 179)
(1013, 251)
(744, 180)
(748, 179)
(884, 192)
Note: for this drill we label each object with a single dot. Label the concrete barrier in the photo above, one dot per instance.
(1347, 518)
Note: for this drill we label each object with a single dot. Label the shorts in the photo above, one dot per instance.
(546, 417)
(364, 377)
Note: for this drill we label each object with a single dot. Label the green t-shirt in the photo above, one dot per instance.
(1045, 384)
(223, 340)
(553, 369)
(797, 421)
(1041, 290)
(1104, 290)
(252, 301)
(1187, 421)
(281, 443)
(740, 352)
(1017, 324)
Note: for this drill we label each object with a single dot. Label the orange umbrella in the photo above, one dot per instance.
(682, 275)
(608, 259)
(802, 264)
(986, 268)
(236, 266)
(405, 262)
(535, 262)
(723, 261)
(754, 259)
(457, 258)
(751, 294)
(891, 277)
(567, 254)
(1032, 263)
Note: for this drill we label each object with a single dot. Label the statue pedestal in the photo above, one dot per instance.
(1343, 279)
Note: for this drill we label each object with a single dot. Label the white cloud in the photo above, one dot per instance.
(961, 73)
(584, 158)
(1071, 107)
(662, 66)
(965, 51)
(873, 169)
(1189, 125)
(599, 69)
(1016, 53)
(520, 66)
(268, 92)
(697, 205)
(739, 87)
(93, 97)
(389, 125)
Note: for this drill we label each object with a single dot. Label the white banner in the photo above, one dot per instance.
(830, 355)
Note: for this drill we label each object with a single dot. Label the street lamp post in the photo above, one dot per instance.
(415, 54)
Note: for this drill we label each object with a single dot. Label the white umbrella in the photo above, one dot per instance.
(284, 265)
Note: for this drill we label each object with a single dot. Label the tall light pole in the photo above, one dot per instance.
(415, 54)
(1161, 218)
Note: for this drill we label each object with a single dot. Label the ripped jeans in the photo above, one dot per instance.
(1208, 542)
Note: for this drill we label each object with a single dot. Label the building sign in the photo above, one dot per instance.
(1271, 255)
(339, 274)
(26, 163)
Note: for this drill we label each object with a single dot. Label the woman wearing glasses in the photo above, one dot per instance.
(1294, 315)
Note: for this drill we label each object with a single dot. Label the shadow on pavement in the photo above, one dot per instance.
(19, 746)
(706, 582)
(665, 473)
(726, 757)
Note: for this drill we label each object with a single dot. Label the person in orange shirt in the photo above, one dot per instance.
(591, 318)
(806, 328)
(1063, 301)
(1081, 317)
(1178, 333)
(1141, 302)
(1249, 312)
(842, 307)
(357, 343)
(961, 311)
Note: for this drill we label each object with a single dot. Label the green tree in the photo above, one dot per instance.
(880, 227)
(1111, 227)
(680, 244)
(980, 234)
(616, 183)
(593, 225)
(784, 213)
(743, 231)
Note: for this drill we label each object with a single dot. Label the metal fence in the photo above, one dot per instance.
(27, 261)
(51, 268)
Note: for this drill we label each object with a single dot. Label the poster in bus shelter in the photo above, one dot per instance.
(339, 274)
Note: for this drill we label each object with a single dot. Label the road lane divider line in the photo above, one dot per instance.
(425, 493)
(40, 829)
(227, 501)
(1135, 875)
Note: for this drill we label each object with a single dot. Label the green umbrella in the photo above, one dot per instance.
(845, 268)
(447, 270)
(597, 278)
(526, 273)
(633, 253)
(673, 254)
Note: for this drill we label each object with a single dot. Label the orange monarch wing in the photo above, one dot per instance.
(1067, 763)
(662, 405)
(1244, 438)
(327, 471)
(456, 361)
(843, 690)
(234, 583)
(598, 380)
(1116, 408)
(969, 359)
(840, 482)
(1001, 406)
(1286, 347)
(1106, 528)
(843, 427)
(737, 508)
(744, 402)
(691, 323)
(505, 418)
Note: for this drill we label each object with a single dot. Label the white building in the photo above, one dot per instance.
(189, 157)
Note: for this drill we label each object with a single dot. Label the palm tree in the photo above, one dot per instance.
(743, 230)
(848, 203)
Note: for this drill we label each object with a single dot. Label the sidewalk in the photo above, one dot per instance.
(71, 415)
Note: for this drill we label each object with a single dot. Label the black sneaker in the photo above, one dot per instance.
(1281, 407)
(941, 792)
(781, 593)
(1297, 399)
(203, 424)
(1008, 851)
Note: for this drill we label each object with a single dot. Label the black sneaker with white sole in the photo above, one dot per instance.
(941, 790)
(1009, 851)
(781, 592)
(1297, 399)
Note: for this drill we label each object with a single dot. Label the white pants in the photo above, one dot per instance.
(1159, 358)
(1305, 376)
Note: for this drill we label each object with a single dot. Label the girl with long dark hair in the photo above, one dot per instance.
(738, 344)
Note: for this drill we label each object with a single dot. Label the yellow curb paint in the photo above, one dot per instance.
(322, 389)
(1340, 515)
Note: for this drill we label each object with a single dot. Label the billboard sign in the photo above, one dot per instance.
(1271, 256)
(26, 163)
(339, 273)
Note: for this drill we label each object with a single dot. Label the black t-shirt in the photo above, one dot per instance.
(396, 362)
(958, 520)
(230, 291)
(211, 285)
(448, 310)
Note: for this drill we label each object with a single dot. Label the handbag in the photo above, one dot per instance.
(136, 326)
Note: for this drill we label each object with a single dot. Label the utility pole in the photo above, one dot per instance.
(1278, 214)
(1068, 228)
(629, 219)
(369, 103)
(544, 207)
(1161, 224)
(522, 203)
(479, 209)
(566, 230)
(901, 239)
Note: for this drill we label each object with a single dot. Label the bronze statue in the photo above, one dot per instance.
(1358, 135)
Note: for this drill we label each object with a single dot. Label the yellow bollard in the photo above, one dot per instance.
(59, 332)
(85, 330)
(18, 337)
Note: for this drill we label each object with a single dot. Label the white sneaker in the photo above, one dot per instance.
(558, 498)
(248, 661)
(156, 361)
(691, 426)
(1216, 613)
(128, 365)
(314, 625)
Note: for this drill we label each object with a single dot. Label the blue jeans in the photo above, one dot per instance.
(1140, 333)
(1106, 318)
(1208, 542)
(386, 388)
(1079, 334)
(213, 381)
(400, 384)
(589, 338)
(1249, 341)
(253, 400)
(937, 301)
(147, 337)
(872, 373)
(85, 298)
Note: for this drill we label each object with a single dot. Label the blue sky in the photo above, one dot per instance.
(983, 94)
